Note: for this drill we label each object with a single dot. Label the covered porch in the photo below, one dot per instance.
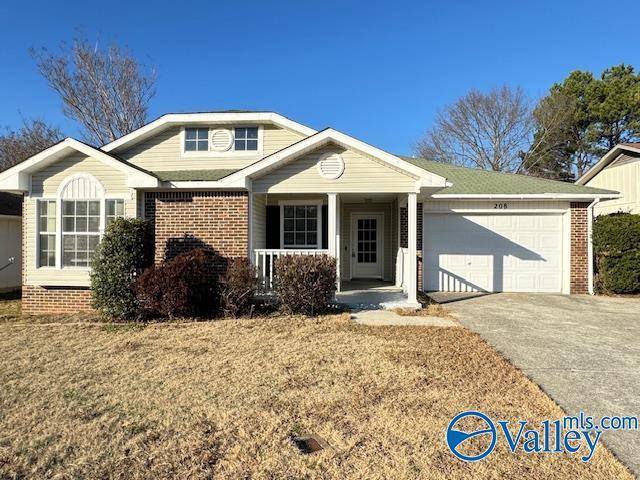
(374, 238)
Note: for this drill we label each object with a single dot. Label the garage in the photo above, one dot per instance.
(493, 252)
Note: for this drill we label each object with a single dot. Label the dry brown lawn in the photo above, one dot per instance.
(198, 400)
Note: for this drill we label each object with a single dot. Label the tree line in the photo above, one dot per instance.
(559, 137)
(107, 93)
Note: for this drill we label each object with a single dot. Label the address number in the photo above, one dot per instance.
(500, 206)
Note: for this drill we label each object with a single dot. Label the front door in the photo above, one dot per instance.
(366, 245)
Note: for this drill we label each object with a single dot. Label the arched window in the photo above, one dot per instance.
(79, 213)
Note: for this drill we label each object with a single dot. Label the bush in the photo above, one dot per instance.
(616, 244)
(237, 287)
(304, 283)
(124, 251)
(182, 286)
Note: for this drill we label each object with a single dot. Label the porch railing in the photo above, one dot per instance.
(263, 260)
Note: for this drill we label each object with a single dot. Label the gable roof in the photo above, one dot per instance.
(16, 178)
(271, 162)
(469, 182)
(10, 204)
(608, 157)
(230, 116)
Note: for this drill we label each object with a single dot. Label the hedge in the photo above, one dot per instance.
(120, 256)
(180, 287)
(616, 244)
(304, 283)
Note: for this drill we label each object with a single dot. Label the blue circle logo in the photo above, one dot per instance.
(456, 438)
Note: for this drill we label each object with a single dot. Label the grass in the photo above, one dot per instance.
(430, 308)
(9, 305)
(223, 399)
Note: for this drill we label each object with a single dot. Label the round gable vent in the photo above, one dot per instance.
(221, 140)
(330, 166)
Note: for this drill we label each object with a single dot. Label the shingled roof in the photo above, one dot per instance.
(467, 181)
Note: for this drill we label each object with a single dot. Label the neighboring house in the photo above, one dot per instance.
(618, 170)
(10, 242)
(260, 185)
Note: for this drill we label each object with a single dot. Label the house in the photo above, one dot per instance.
(10, 242)
(619, 170)
(258, 184)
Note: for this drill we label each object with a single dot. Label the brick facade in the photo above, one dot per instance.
(404, 237)
(184, 220)
(579, 282)
(45, 300)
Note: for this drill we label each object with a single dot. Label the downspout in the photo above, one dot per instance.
(590, 243)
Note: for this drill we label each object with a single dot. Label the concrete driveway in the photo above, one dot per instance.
(584, 351)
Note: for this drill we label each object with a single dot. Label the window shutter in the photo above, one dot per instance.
(272, 228)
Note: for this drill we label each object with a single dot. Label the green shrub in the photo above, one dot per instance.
(123, 252)
(183, 286)
(616, 244)
(304, 283)
(237, 287)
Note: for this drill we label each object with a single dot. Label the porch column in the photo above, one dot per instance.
(333, 231)
(412, 240)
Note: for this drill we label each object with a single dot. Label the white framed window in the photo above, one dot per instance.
(196, 139)
(114, 209)
(246, 139)
(80, 232)
(47, 233)
(301, 225)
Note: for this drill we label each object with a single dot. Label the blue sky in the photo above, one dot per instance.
(377, 70)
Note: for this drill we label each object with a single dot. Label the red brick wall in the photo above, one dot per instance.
(579, 248)
(184, 220)
(41, 300)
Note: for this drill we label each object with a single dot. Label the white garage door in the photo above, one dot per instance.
(494, 253)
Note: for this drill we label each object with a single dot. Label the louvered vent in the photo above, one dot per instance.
(331, 166)
(221, 140)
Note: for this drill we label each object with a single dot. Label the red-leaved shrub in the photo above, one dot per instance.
(304, 283)
(237, 287)
(182, 286)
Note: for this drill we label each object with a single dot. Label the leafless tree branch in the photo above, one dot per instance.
(107, 92)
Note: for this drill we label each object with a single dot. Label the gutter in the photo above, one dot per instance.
(590, 243)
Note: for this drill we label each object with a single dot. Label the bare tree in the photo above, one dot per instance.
(32, 138)
(492, 131)
(108, 91)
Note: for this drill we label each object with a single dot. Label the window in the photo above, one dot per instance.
(47, 227)
(196, 139)
(300, 226)
(115, 209)
(80, 231)
(246, 138)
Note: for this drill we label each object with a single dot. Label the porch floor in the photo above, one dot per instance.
(371, 295)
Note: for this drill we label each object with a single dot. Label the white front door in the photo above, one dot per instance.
(366, 245)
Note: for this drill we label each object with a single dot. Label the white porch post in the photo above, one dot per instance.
(412, 238)
(333, 229)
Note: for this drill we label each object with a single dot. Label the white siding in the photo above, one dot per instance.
(491, 206)
(361, 174)
(46, 183)
(259, 220)
(622, 175)
(164, 151)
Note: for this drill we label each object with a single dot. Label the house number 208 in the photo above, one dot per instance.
(500, 206)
